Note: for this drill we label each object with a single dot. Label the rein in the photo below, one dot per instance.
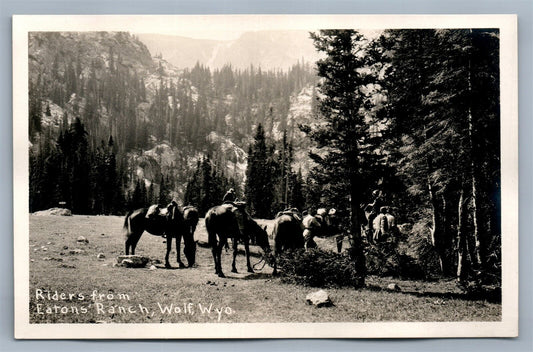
(263, 260)
(259, 262)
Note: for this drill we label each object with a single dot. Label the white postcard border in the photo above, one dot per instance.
(508, 327)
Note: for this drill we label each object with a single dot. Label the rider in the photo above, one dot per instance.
(229, 197)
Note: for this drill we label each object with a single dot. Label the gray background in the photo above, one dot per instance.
(524, 9)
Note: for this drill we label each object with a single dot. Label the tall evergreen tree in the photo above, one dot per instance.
(259, 188)
(342, 138)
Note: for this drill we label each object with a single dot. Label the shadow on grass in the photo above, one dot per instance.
(240, 251)
(257, 276)
(160, 266)
(494, 296)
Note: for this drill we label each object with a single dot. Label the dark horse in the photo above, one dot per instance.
(169, 222)
(288, 235)
(229, 221)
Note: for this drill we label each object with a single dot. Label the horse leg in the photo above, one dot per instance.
(169, 248)
(134, 239)
(131, 242)
(219, 259)
(275, 271)
(235, 249)
(178, 250)
(214, 250)
(247, 251)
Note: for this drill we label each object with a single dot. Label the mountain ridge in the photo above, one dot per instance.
(269, 50)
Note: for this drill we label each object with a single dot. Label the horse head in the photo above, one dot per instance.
(261, 236)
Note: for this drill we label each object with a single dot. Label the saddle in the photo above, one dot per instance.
(293, 214)
(155, 210)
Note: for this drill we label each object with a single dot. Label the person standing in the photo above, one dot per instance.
(391, 221)
(311, 225)
(382, 225)
(334, 228)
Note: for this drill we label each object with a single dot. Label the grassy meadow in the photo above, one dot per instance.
(70, 284)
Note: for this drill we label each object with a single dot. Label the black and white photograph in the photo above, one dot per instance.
(263, 176)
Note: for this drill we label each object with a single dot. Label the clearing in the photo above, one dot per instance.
(69, 284)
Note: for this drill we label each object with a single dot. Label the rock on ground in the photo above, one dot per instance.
(132, 261)
(319, 299)
(54, 211)
(393, 287)
(82, 239)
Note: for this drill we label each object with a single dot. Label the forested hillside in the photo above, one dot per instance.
(113, 128)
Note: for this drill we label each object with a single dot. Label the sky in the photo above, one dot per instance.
(231, 27)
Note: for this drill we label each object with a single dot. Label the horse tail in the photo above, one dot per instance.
(127, 222)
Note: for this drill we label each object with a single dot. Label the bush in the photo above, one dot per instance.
(419, 247)
(317, 268)
(387, 259)
(383, 259)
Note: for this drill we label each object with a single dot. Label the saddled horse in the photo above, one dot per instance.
(230, 221)
(287, 233)
(167, 222)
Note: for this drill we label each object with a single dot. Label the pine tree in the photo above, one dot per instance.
(164, 194)
(35, 108)
(425, 164)
(259, 188)
(342, 138)
(80, 168)
(297, 197)
(111, 185)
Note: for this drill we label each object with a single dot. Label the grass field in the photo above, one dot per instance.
(69, 284)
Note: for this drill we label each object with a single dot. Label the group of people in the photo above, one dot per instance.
(319, 223)
(324, 223)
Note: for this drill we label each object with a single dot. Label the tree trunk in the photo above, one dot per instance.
(477, 259)
(447, 239)
(436, 232)
(462, 240)
(356, 242)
